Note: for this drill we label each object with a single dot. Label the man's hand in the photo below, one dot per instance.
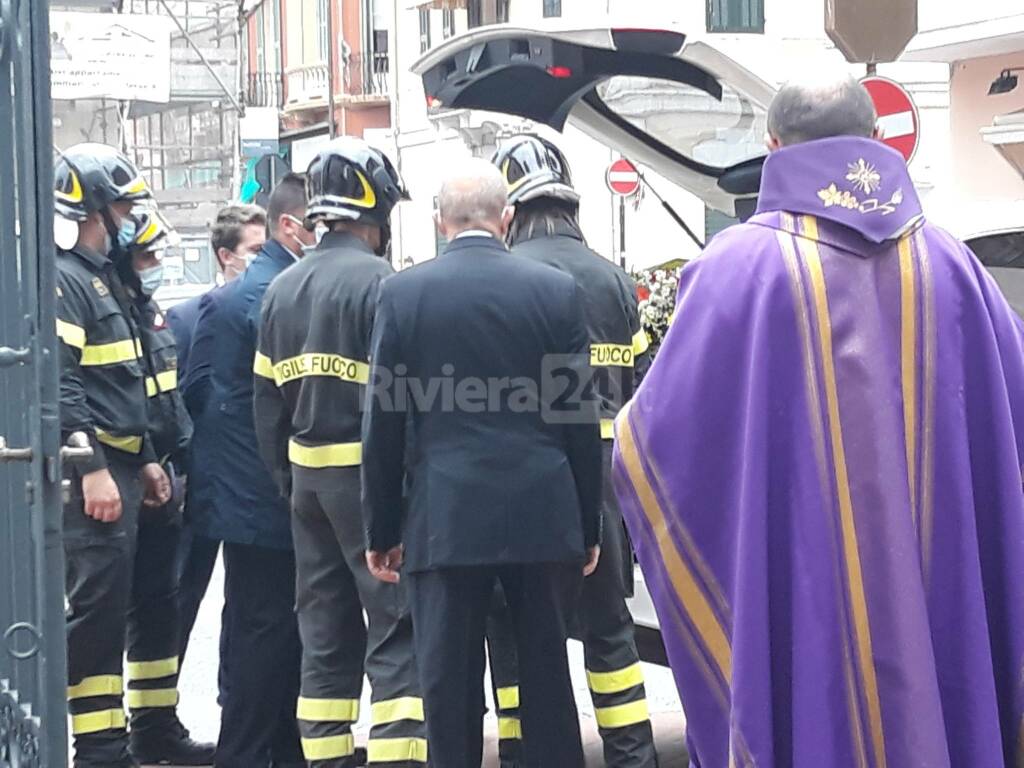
(593, 555)
(156, 485)
(385, 565)
(102, 499)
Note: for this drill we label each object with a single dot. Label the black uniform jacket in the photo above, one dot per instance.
(618, 343)
(312, 362)
(501, 451)
(102, 376)
(170, 427)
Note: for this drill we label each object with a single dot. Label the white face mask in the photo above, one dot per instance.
(318, 233)
(151, 279)
(303, 247)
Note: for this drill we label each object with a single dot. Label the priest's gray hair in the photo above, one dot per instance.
(820, 108)
(473, 196)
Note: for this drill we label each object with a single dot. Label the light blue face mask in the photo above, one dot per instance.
(126, 232)
(151, 279)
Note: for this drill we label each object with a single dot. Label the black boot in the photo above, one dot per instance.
(169, 744)
(84, 763)
(357, 760)
(107, 749)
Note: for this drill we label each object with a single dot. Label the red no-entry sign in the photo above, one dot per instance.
(623, 178)
(897, 115)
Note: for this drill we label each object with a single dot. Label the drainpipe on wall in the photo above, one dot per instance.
(331, 58)
(398, 242)
(236, 158)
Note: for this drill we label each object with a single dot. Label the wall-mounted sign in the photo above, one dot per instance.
(110, 56)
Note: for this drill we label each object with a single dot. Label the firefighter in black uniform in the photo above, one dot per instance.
(311, 370)
(154, 626)
(546, 228)
(103, 395)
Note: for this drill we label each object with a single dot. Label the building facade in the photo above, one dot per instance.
(299, 51)
(983, 50)
(376, 42)
(776, 39)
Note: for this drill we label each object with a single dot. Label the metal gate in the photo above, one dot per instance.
(33, 719)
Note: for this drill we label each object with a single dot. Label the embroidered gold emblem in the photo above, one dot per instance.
(864, 176)
(101, 289)
(832, 195)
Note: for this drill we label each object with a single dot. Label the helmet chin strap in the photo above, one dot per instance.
(384, 249)
(117, 254)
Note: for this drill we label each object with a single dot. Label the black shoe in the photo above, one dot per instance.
(170, 745)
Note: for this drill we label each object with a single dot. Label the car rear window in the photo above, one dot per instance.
(1005, 250)
(716, 133)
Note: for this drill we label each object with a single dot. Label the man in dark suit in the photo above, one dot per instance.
(237, 235)
(480, 408)
(245, 509)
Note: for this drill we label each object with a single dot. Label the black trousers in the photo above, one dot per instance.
(99, 562)
(609, 645)
(450, 608)
(501, 652)
(154, 622)
(334, 589)
(258, 719)
(196, 559)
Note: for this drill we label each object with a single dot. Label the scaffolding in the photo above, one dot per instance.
(187, 148)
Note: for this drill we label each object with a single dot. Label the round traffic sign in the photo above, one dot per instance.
(898, 119)
(623, 178)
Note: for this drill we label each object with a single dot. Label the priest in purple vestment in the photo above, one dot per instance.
(822, 472)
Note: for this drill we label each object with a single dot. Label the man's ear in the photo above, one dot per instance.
(772, 142)
(439, 223)
(878, 134)
(506, 219)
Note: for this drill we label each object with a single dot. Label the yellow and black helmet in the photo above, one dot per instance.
(534, 167)
(152, 231)
(351, 181)
(89, 177)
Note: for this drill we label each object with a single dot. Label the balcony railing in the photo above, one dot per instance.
(363, 78)
(265, 89)
(365, 75)
(307, 84)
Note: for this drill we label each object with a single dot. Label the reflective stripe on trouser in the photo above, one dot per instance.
(609, 646)
(334, 590)
(613, 665)
(154, 624)
(99, 558)
(501, 650)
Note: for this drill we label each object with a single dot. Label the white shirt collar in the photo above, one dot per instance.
(475, 233)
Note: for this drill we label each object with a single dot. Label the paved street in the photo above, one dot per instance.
(200, 713)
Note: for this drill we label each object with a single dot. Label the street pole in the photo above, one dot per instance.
(331, 43)
(622, 231)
